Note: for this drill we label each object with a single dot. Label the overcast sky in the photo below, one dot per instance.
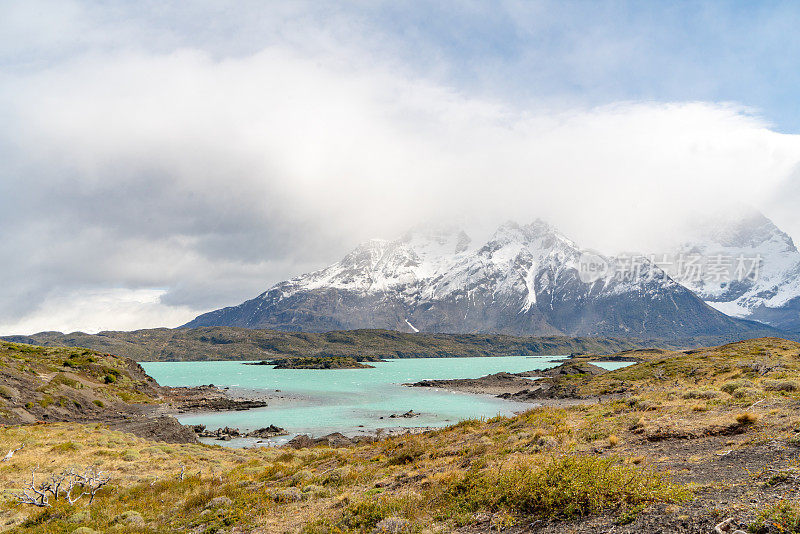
(161, 159)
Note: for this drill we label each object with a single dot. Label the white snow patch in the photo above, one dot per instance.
(730, 308)
(414, 328)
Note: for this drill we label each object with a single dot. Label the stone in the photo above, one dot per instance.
(218, 502)
(131, 517)
(728, 527)
(80, 517)
(393, 525)
(288, 495)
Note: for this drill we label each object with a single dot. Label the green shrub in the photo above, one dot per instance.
(61, 378)
(742, 393)
(781, 517)
(109, 379)
(733, 385)
(780, 385)
(67, 446)
(364, 515)
(563, 488)
(98, 402)
(407, 454)
(701, 394)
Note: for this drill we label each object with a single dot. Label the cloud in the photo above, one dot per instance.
(99, 310)
(196, 179)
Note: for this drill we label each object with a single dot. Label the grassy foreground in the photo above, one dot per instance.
(681, 441)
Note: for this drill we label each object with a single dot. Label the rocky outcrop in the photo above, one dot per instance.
(228, 433)
(324, 362)
(207, 398)
(569, 368)
(336, 439)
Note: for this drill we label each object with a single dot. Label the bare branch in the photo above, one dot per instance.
(69, 484)
(8, 456)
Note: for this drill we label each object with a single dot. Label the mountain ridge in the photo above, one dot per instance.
(525, 280)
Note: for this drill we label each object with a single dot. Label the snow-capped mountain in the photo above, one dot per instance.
(524, 280)
(758, 268)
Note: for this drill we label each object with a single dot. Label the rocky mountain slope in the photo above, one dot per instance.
(526, 280)
(751, 268)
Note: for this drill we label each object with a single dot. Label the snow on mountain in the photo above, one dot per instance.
(526, 279)
(756, 268)
(380, 265)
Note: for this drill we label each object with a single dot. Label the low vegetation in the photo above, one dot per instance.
(56, 384)
(228, 343)
(644, 459)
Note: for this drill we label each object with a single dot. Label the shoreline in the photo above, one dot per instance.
(522, 390)
(538, 387)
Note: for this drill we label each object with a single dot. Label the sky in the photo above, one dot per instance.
(161, 159)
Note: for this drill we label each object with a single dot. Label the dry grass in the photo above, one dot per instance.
(514, 468)
(746, 418)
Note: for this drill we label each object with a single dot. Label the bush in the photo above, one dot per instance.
(780, 385)
(67, 446)
(408, 454)
(733, 385)
(746, 418)
(563, 488)
(109, 379)
(701, 394)
(780, 517)
(61, 378)
(742, 393)
(364, 516)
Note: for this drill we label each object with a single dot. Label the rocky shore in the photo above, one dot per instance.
(208, 398)
(527, 386)
(228, 433)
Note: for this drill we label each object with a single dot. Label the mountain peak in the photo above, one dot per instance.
(436, 239)
(743, 228)
(524, 280)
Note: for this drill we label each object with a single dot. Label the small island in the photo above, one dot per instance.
(314, 362)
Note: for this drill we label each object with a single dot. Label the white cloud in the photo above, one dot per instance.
(96, 310)
(213, 178)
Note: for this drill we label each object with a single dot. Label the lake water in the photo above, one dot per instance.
(351, 401)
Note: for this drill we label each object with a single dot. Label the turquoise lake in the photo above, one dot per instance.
(351, 401)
